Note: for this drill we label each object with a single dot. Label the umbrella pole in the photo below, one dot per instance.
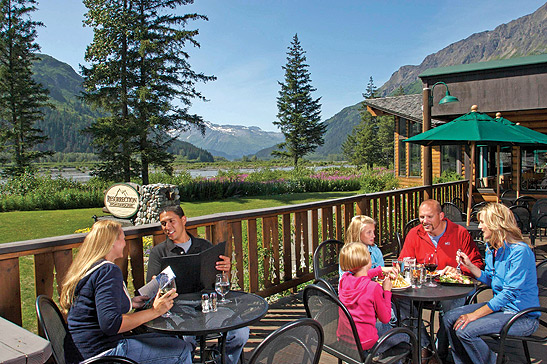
(498, 174)
(471, 179)
(519, 170)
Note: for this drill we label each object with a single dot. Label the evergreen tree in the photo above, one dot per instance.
(370, 92)
(139, 67)
(370, 142)
(21, 98)
(298, 113)
(399, 92)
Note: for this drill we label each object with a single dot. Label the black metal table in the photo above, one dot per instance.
(187, 319)
(431, 294)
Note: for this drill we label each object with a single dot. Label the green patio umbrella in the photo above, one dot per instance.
(477, 128)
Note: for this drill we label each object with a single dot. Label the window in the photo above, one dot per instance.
(534, 169)
(450, 155)
(415, 152)
(402, 129)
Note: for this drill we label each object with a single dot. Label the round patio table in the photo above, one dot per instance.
(186, 318)
(431, 294)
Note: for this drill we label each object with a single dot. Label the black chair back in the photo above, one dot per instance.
(300, 341)
(341, 338)
(452, 212)
(325, 260)
(526, 201)
(460, 203)
(320, 282)
(409, 225)
(54, 327)
(56, 331)
(523, 216)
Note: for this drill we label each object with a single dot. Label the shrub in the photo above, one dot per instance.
(378, 179)
(448, 176)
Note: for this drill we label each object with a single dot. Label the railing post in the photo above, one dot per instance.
(10, 308)
(136, 252)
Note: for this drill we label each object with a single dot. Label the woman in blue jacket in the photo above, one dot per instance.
(99, 306)
(511, 273)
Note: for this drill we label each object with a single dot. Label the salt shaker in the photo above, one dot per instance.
(205, 303)
(213, 302)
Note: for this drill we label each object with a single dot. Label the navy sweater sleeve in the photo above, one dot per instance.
(96, 313)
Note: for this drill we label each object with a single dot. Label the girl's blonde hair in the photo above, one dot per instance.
(499, 219)
(357, 225)
(353, 256)
(97, 244)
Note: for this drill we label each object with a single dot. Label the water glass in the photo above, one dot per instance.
(408, 263)
(222, 286)
(166, 287)
(417, 275)
(396, 263)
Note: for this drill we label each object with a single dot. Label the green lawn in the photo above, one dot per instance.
(26, 225)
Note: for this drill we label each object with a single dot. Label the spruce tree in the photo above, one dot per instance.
(21, 99)
(370, 92)
(139, 68)
(299, 115)
(370, 142)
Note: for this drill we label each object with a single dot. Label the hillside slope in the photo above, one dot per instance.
(524, 36)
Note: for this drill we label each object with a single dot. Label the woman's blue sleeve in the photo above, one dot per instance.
(513, 280)
(109, 295)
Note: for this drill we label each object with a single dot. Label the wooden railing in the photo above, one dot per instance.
(271, 248)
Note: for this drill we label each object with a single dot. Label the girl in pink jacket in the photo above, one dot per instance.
(365, 299)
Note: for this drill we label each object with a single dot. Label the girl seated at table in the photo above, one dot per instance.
(362, 229)
(366, 300)
(511, 273)
(98, 306)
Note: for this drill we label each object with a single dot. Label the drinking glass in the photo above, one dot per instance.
(222, 286)
(417, 273)
(397, 264)
(430, 263)
(408, 263)
(166, 287)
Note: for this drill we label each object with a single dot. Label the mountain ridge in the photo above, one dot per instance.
(524, 36)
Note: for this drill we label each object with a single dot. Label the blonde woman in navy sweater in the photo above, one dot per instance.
(99, 306)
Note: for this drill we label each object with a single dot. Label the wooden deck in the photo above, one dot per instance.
(291, 308)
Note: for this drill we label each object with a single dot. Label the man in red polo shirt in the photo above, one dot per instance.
(436, 234)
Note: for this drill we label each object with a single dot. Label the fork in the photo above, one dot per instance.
(459, 262)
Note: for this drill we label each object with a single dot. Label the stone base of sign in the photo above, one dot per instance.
(152, 199)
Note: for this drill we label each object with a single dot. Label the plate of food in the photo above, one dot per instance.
(399, 283)
(454, 279)
(435, 273)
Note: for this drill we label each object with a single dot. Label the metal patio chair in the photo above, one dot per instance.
(540, 336)
(299, 341)
(326, 308)
(56, 331)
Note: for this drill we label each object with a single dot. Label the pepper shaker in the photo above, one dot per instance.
(213, 302)
(205, 303)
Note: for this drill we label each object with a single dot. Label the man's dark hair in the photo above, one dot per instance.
(175, 208)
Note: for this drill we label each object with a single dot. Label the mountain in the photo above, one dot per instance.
(232, 141)
(63, 124)
(524, 36)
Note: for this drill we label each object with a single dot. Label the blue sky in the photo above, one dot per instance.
(244, 44)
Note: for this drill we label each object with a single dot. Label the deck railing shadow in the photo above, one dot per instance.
(271, 248)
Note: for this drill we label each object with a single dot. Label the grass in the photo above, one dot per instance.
(27, 225)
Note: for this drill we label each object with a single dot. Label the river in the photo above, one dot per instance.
(79, 176)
